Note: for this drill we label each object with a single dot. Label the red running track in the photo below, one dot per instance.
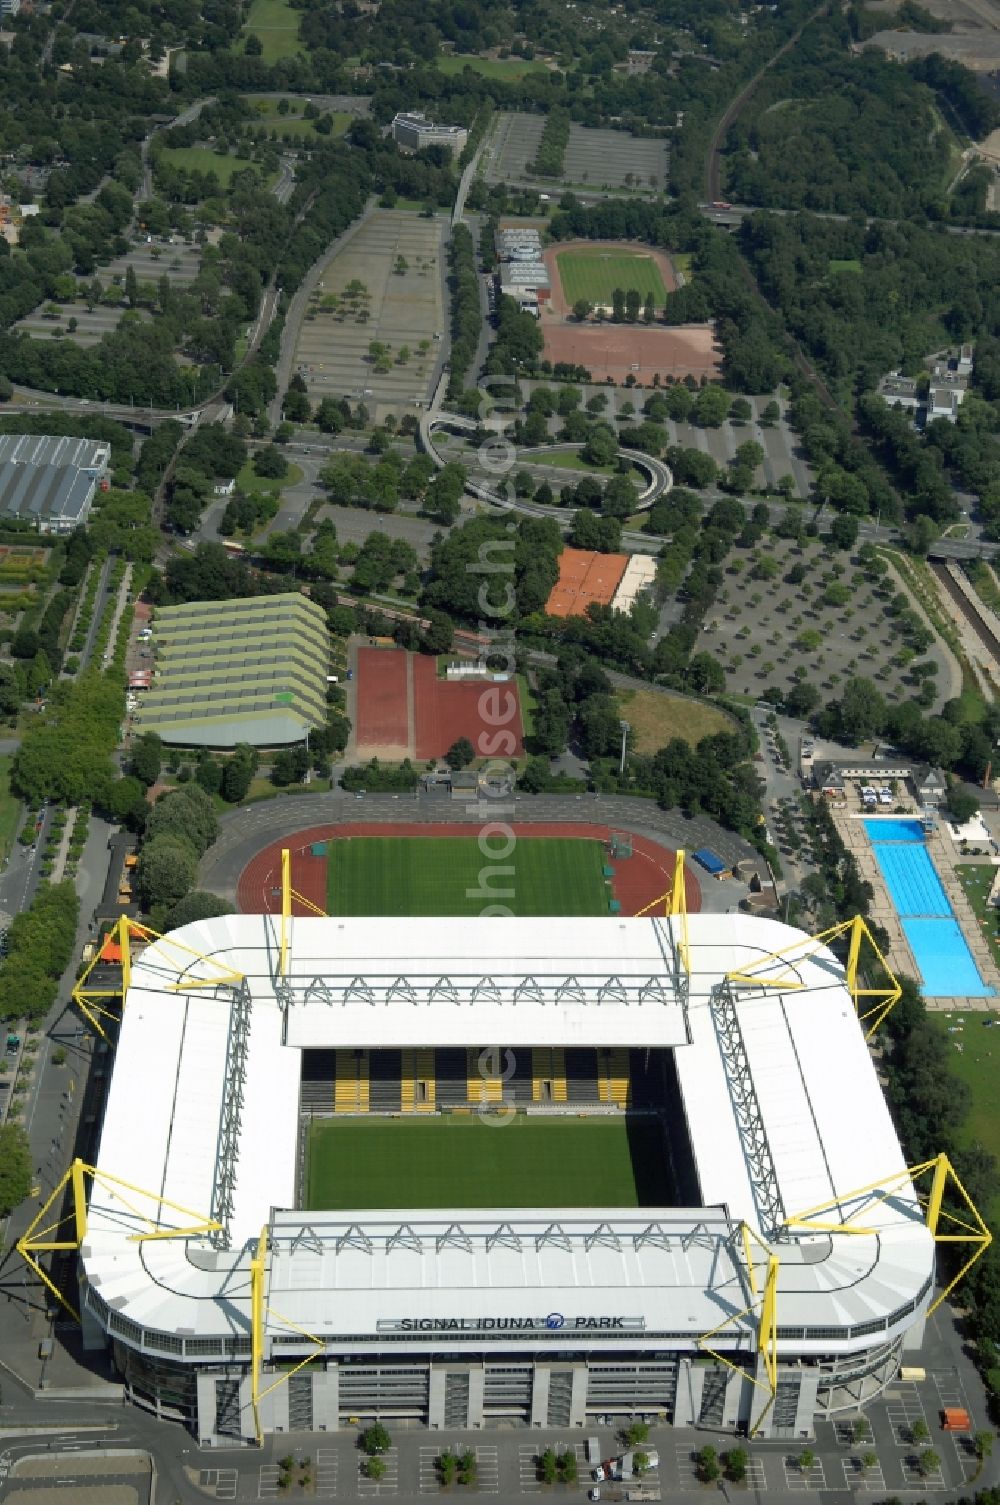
(638, 880)
(382, 714)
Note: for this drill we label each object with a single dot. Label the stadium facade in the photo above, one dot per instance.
(733, 1308)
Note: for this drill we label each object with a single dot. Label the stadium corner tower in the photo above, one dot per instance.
(761, 1259)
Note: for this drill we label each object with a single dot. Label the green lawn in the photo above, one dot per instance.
(851, 265)
(682, 261)
(510, 69)
(442, 875)
(277, 25)
(595, 274)
(296, 124)
(572, 459)
(462, 1161)
(249, 481)
(203, 159)
(10, 808)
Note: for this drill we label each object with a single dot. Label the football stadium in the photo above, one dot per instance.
(474, 1172)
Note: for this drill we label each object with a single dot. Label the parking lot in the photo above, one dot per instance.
(90, 326)
(598, 159)
(395, 259)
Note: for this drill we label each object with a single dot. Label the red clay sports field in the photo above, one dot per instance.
(405, 711)
(638, 880)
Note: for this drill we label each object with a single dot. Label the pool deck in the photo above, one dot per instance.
(883, 911)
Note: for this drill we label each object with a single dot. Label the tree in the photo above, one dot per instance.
(983, 1444)
(649, 309)
(707, 1464)
(637, 1432)
(844, 530)
(807, 1459)
(166, 870)
(374, 1467)
(740, 410)
(197, 905)
(862, 711)
(633, 304)
(375, 1439)
(929, 1462)
(962, 806)
(601, 446)
(869, 1460)
(188, 813)
(147, 758)
(460, 754)
(711, 407)
(618, 305)
(582, 309)
(15, 1167)
(736, 1464)
(270, 463)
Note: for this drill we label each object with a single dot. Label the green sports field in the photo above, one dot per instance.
(447, 875)
(461, 1161)
(595, 274)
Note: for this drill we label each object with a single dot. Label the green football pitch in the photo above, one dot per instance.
(462, 1161)
(434, 875)
(594, 275)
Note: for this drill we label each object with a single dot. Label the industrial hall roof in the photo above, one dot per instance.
(49, 480)
(250, 670)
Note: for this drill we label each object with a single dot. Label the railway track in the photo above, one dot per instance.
(983, 632)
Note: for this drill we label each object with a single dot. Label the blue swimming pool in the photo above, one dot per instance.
(947, 966)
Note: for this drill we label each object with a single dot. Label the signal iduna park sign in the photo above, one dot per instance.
(551, 1322)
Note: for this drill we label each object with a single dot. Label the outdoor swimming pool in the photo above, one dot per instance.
(947, 967)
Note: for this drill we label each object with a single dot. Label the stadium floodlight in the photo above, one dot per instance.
(886, 998)
(867, 1198)
(288, 893)
(46, 1240)
(174, 956)
(765, 1304)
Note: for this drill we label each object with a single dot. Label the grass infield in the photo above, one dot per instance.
(460, 1161)
(435, 875)
(594, 275)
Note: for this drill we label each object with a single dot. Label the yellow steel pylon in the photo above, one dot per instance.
(765, 1301)
(288, 893)
(755, 975)
(43, 1240)
(258, 1310)
(175, 952)
(675, 906)
(943, 1174)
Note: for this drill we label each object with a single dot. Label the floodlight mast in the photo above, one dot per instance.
(288, 894)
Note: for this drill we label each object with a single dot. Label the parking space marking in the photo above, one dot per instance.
(389, 1482)
(267, 1484)
(221, 1481)
(755, 1477)
(856, 1476)
(915, 1478)
(528, 1455)
(799, 1478)
(327, 1471)
(951, 1392)
(903, 1409)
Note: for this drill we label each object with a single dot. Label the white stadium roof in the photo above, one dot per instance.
(779, 1091)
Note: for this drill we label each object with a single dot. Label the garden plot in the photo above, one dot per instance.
(790, 612)
(373, 325)
(75, 321)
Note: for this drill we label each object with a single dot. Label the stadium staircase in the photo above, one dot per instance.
(479, 1087)
(548, 1075)
(418, 1082)
(351, 1091)
(613, 1076)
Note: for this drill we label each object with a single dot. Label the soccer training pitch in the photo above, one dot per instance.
(433, 875)
(460, 1161)
(594, 275)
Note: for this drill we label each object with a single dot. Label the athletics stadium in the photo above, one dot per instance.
(481, 1172)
